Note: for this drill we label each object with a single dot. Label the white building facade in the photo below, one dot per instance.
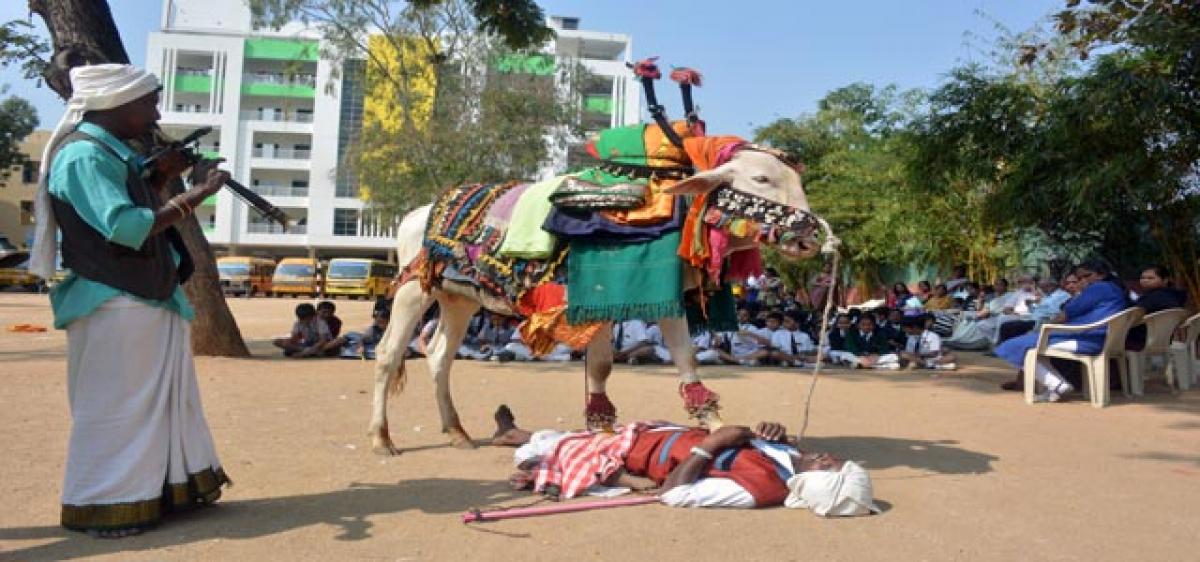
(282, 120)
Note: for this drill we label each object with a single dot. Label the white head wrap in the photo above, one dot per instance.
(95, 87)
(827, 493)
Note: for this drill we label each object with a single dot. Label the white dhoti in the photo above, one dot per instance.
(139, 443)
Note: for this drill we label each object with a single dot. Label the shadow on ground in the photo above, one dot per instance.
(348, 511)
(881, 453)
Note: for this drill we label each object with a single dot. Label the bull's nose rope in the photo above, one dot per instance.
(829, 248)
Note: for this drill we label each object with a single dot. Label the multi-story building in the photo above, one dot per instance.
(283, 120)
(17, 190)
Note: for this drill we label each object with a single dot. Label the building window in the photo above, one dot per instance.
(29, 172)
(354, 73)
(26, 213)
(345, 222)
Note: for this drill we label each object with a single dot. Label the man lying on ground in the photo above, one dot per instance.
(733, 466)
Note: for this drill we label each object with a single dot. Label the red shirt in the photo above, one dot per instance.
(655, 454)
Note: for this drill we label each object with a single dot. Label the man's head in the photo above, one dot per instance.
(940, 290)
(743, 315)
(895, 315)
(1070, 283)
(838, 492)
(326, 309)
(843, 322)
(866, 324)
(382, 317)
(1000, 286)
(121, 98)
(1026, 283)
(305, 311)
(1155, 277)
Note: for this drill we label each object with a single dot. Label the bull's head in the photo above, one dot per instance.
(761, 185)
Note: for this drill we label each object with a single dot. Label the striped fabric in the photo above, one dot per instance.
(586, 458)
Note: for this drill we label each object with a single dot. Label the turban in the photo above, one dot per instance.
(94, 88)
(828, 493)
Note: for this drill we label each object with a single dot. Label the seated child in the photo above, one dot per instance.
(309, 334)
(924, 347)
(356, 345)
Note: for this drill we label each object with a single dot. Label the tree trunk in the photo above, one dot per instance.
(83, 32)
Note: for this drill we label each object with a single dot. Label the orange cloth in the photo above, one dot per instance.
(545, 308)
(704, 151)
(660, 206)
(27, 328)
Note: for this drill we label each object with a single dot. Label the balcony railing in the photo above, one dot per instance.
(283, 153)
(272, 228)
(278, 116)
(282, 79)
(279, 190)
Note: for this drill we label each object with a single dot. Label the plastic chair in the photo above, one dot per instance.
(1159, 328)
(1095, 366)
(1184, 365)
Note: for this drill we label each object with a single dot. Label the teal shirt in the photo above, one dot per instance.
(93, 181)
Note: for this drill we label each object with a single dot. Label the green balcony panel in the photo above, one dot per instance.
(193, 84)
(208, 230)
(279, 90)
(210, 201)
(539, 65)
(598, 103)
(210, 154)
(281, 49)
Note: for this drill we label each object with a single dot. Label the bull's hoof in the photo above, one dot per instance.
(459, 439)
(600, 413)
(700, 402)
(384, 447)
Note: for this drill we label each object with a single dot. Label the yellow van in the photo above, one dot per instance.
(20, 276)
(242, 275)
(297, 276)
(355, 277)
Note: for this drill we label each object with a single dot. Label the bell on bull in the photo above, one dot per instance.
(661, 194)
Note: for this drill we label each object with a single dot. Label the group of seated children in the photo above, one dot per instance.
(894, 342)
(317, 333)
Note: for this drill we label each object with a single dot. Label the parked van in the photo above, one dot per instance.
(297, 276)
(354, 277)
(242, 275)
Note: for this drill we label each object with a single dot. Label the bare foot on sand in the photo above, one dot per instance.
(507, 433)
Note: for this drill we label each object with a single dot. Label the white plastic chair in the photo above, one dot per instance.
(1184, 366)
(1159, 328)
(1095, 378)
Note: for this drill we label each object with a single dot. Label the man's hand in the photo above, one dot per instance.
(170, 165)
(771, 431)
(206, 178)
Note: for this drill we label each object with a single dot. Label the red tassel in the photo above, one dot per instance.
(685, 75)
(647, 68)
(591, 149)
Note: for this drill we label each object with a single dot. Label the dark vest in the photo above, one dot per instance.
(148, 272)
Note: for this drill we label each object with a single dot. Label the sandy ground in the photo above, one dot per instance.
(963, 471)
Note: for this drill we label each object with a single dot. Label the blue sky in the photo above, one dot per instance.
(761, 59)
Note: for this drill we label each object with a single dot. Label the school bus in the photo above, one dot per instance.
(297, 276)
(242, 275)
(355, 277)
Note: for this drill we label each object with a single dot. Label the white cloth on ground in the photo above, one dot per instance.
(137, 420)
(842, 493)
(94, 88)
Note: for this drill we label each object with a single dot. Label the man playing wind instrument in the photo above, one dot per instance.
(139, 444)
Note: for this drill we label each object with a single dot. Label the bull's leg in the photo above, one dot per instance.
(407, 308)
(599, 413)
(698, 400)
(456, 312)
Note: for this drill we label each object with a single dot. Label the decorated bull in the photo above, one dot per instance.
(655, 231)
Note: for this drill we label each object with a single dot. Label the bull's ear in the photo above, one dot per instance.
(702, 182)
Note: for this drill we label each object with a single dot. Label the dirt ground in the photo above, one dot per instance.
(962, 470)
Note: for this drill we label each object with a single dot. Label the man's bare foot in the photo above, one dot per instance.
(507, 433)
(115, 533)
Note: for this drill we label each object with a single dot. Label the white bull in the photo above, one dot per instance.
(750, 171)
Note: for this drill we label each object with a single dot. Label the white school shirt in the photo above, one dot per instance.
(928, 344)
(654, 335)
(783, 340)
(632, 332)
(745, 345)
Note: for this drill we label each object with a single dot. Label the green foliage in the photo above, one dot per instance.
(17, 119)
(464, 121)
(20, 46)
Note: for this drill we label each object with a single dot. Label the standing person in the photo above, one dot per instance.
(139, 445)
